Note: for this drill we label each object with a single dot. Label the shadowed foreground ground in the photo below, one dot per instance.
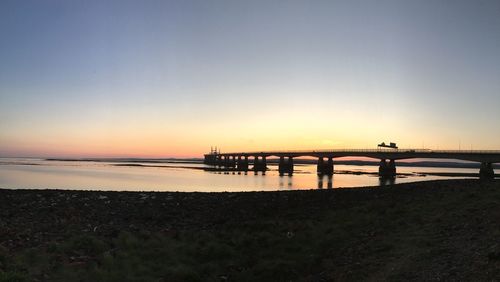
(442, 230)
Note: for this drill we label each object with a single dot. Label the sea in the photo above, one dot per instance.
(192, 176)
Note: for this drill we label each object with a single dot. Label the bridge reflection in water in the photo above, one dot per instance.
(324, 182)
(328, 179)
(241, 161)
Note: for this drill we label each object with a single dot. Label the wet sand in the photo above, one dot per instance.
(433, 230)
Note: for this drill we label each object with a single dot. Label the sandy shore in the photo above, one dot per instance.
(418, 231)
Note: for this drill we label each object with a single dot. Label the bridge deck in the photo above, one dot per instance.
(491, 156)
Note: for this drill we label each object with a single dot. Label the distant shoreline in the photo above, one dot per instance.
(275, 161)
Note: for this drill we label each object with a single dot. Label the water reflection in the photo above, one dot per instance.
(172, 177)
(383, 181)
(285, 179)
(329, 181)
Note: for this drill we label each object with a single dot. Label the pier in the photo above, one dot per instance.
(240, 161)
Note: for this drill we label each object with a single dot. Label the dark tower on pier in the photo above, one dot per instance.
(211, 158)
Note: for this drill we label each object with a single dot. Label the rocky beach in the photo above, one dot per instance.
(432, 231)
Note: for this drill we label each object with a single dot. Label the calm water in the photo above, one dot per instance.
(42, 174)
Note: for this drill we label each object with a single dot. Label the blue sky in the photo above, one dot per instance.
(171, 78)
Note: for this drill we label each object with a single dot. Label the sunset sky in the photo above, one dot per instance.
(172, 78)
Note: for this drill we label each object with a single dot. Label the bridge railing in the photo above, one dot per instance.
(381, 150)
(467, 151)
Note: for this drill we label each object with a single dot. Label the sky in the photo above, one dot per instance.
(173, 78)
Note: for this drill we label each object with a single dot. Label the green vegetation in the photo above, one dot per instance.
(423, 231)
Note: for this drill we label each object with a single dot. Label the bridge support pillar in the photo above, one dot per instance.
(210, 159)
(387, 169)
(222, 163)
(325, 168)
(486, 171)
(260, 165)
(225, 162)
(242, 163)
(285, 166)
(232, 162)
(218, 162)
(228, 164)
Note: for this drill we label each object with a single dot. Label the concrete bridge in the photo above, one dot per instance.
(240, 161)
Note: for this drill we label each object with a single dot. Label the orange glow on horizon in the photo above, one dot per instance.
(191, 139)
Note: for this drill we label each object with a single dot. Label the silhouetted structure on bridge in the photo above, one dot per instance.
(240, 161)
